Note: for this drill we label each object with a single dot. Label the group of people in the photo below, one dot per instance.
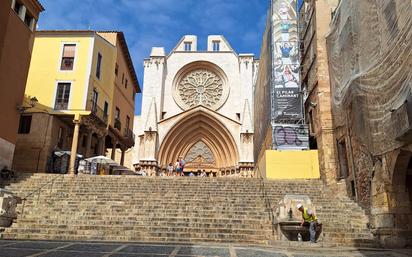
(177, 169)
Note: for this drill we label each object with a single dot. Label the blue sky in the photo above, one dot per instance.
(148, 23)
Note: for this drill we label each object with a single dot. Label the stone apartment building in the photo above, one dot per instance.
(85, 84)
(370, 58)
(314, 20)
(18, 19)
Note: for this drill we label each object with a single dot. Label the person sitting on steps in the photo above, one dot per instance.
(309, 219)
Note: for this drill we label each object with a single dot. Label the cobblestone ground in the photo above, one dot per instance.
(66, 249)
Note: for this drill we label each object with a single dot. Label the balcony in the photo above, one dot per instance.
(97, 112)
(129, 137)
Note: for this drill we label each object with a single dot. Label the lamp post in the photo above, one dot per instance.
(33, 102)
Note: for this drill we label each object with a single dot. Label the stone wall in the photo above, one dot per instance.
(262, 99)
(314, 20)
(33, 150)
(369, 48)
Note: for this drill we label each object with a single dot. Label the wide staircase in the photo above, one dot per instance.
(176, 209)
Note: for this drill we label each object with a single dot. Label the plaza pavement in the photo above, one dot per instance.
(106, 249)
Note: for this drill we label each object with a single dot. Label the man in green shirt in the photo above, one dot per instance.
(310, 219)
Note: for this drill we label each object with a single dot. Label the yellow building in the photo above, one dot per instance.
(82, 102)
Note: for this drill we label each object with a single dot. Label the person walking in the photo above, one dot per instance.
(182, 165)
(170, 170)
(178, 168)
(310, 219)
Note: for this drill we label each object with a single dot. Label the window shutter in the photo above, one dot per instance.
(69, 51)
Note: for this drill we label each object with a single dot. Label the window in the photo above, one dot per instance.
(29, 21)
(25, 124)
(106, 108)
(62, 96)
(116, 69)
(68, 57)
(95, 96)
(18, 7)
(99, 63)
(117, 123)
(122, 78)
(125, 85)
(188, 46)
(216, 46)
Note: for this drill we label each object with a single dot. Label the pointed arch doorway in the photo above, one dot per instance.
(203, 141)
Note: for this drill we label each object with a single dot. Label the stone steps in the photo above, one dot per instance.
(205, 223)
(169, 237)
(130, 208)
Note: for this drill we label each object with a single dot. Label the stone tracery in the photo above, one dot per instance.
(200, 87)
(200, 152)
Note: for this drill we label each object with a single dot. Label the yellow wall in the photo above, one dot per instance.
(44, 72)
(104, 85)
(292, 164)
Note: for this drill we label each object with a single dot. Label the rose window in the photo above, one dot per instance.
(200, 87)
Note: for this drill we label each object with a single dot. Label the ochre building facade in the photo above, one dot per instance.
(314, 20)
(85, 84)
(18, 19)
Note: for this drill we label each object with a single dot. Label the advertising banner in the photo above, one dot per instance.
(286, 93)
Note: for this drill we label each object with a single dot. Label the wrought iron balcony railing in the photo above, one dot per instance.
(97, 111)
(128, 133)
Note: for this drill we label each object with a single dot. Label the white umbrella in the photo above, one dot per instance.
(100, 159)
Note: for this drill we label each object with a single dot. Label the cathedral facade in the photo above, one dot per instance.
(197, 105)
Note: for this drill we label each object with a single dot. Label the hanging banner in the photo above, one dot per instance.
(286, 94)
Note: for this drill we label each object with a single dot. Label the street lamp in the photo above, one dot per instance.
(33, 102)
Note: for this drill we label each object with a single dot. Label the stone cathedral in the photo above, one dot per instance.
(197, 104)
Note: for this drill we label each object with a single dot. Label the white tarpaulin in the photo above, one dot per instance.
(370, 59)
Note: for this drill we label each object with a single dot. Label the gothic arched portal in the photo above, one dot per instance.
(202, 140)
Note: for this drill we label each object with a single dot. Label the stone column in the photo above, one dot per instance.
(114, 144)
(75, 141)
(102, 145)
(122, 156)
(89, 144)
